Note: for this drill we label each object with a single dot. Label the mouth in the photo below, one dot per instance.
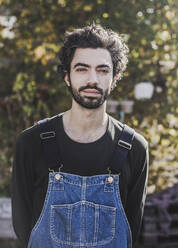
(91, 92)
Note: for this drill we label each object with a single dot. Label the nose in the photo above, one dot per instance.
(93, 78)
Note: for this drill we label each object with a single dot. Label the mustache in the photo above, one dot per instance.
(91, 87)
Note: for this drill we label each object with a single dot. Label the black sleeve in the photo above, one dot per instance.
(137, 192)
(21, 189)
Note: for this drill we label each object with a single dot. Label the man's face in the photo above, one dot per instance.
(91, 76)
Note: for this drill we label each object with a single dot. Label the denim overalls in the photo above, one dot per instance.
(82, 211)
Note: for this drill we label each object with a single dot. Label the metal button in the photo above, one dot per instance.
(110, 179)
(57, 176)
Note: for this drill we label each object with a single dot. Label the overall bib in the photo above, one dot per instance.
(82, 211)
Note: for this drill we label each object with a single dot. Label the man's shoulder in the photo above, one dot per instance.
(139, 142)
(33, 131)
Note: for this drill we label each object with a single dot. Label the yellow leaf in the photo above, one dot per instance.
(135, 122)
(165, 142)
(143, 42)
(39, 52)
(172, 132)
(105, 15)
(87, 8)
(135, 53)
(62, 3)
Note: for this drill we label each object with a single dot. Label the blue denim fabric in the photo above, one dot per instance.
(83, 212)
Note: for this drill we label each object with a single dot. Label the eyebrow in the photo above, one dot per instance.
(81, 64)
(85, 65)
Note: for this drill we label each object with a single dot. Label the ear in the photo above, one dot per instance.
(66, 78)
(116, 77)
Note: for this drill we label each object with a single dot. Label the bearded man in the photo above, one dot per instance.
(79, 178)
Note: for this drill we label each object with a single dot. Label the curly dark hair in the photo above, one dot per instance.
(94, 36)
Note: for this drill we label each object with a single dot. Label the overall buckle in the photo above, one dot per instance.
(47, 135)
(124, 144)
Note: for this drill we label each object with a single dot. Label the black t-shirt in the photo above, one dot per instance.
(30, 172)
(85, 159)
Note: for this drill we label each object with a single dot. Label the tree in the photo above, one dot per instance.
(31, 35)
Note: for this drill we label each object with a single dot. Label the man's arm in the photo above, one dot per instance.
(137, 193)
(21, 188)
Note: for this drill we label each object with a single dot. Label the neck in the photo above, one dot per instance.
(85, 123)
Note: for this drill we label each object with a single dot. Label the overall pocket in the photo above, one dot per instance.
(82, 224)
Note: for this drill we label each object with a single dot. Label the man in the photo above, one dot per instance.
(79, 178)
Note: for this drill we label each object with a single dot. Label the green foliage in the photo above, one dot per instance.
(31, 88)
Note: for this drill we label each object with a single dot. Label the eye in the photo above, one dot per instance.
(81, 69)
(104, 71)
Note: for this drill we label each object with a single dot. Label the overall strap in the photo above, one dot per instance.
(124, 145)
(49, 143)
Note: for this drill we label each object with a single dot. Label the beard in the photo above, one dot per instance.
(87, 101)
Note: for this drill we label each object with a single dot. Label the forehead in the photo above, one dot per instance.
(92, 56)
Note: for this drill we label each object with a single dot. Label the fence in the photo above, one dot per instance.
(160, 221)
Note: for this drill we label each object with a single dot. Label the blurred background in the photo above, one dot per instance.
(31, 35)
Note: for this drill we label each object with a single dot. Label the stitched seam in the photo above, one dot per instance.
(96, 223)
(123, 212)
(58, 186)
(81, 243)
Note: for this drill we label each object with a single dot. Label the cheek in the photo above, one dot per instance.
(78, 79)
(107, 82)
